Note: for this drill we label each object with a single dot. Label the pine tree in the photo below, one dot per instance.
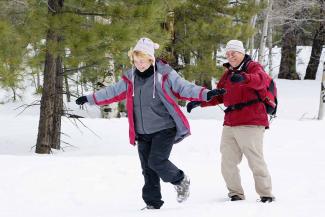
(11, 57)
(295, 18)
(318, 41)
(72, 35)
(65, 37)
(200, 28)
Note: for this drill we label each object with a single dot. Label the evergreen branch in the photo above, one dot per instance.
(79, 68)
(51, 9)
(19, 2)
(84, 13)
(48, 6)
(77, 10)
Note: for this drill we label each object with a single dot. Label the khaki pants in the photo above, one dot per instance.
(247, 140)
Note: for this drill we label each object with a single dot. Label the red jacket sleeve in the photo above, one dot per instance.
(255, 76)
(218, 99)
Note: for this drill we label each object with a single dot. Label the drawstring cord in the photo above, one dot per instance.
(154, 80)
(133, 80)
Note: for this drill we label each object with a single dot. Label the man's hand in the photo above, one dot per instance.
(81, 100)
(235, 78)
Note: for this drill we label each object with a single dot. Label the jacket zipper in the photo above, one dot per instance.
(141, 112)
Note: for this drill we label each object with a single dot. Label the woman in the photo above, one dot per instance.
(156, 122)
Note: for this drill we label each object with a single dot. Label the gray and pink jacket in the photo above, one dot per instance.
(168, 85)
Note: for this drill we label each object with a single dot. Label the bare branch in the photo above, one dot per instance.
(26, 106)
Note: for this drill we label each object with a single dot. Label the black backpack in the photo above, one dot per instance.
(271, 99)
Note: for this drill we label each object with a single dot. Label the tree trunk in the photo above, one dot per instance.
(78, 84)
(43, 145)
(14, 94)
(288, 53)
(38, 86)
(169, 26)
(67, 89)
(58, 106)
(38, 80)
(53, 64)
(252, 39)
(322, 97)
(261, 52)
(270, 45)
(316, 51)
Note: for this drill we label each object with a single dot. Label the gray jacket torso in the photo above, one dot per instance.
(169, 87)
(150, 114)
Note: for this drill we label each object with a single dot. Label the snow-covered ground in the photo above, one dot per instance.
(98, 173)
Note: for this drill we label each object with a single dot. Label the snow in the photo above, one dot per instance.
(98, 173)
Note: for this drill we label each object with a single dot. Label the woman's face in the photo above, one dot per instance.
(234, 58)
(141, 63)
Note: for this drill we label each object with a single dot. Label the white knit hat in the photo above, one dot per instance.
(235, 45)
(146, 46)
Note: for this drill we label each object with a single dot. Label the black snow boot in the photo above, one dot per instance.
(235, 198)
(267, 199)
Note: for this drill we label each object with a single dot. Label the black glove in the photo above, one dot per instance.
(81, 100)
(235, 78)
(215, 92)
(192, 105)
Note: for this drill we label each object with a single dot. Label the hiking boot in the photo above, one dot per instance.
(267, 199)
(235, 198)
(149, 207)
(183, 189)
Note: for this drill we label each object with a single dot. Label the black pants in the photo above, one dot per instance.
(154, 150)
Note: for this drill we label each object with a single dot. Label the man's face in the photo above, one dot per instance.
(234, 58)
(141, 63)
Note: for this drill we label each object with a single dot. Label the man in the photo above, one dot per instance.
(244, 122)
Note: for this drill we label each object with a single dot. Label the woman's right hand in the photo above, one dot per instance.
(81, 100)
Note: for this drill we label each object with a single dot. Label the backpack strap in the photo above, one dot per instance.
(241, 105)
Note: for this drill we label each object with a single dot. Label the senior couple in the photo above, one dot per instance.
(151, 89)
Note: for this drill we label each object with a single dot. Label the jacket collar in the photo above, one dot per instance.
(145, 74)
(242, 66)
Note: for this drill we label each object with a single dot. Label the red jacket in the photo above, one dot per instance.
(242, 92)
